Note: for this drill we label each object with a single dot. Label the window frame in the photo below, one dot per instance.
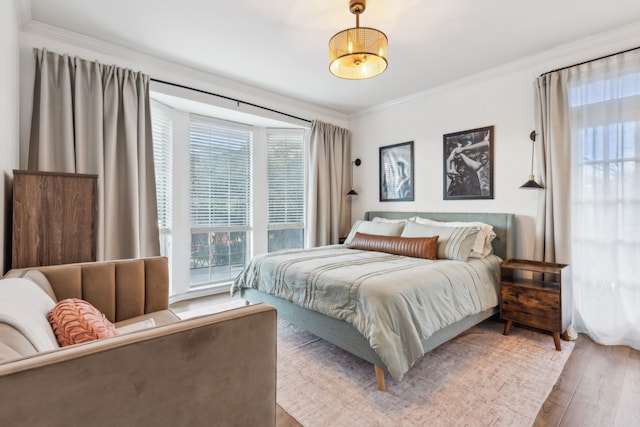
(180, 236)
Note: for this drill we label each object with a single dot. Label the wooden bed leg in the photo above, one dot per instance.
(380, 378)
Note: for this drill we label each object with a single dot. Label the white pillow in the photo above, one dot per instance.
(453, 242)
(41, 280)
(482, 245)
(377, 228)
(389, 220)
(25, 306)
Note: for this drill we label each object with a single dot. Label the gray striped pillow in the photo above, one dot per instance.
(454, 243)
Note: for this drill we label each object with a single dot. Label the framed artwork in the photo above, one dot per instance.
(396, 172)
(468, 164)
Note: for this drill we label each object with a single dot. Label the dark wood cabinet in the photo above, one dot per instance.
(542, 301)
(54, 218)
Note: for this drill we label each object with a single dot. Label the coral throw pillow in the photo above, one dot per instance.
(75, 321)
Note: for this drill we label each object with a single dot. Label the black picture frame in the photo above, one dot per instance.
(396, 173)
(468, 164)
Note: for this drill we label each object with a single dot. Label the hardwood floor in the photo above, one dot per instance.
(599, 385)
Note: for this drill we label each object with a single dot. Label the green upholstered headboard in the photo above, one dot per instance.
(504, 225)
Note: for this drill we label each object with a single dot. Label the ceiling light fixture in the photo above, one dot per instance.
(358, 53)
(532, 184)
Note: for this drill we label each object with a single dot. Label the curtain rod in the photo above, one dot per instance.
(590, 60)
(239, 101)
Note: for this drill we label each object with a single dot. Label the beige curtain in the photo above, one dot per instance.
(553, 154)
(328, 210)
(94, 118)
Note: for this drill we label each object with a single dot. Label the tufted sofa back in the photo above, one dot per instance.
(120, 289)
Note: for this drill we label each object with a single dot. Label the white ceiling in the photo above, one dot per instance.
(281, 46)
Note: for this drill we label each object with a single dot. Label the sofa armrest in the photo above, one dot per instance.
(216, 369)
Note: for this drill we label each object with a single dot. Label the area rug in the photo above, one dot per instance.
(480, 378)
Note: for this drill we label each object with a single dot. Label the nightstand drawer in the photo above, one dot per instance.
(540, 300)
(540, 309)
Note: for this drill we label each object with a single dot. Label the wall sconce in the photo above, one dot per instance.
(353, 192)
(532, 184)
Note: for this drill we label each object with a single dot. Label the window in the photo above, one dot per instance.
(220, 202)
(162, 130)
(225, 192)
(604, 100)
(606, 159)
(285, 169)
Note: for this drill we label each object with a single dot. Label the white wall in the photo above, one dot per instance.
(504, 98)
(9, 118)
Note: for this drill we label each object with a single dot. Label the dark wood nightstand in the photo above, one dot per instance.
(543, 301)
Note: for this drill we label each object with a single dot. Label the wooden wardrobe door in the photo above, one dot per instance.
(54, 218)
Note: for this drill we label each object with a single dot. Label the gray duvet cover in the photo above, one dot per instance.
(396, 302)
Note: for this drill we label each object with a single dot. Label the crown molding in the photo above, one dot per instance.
(600, 44)
(189, 75)
(68, 37)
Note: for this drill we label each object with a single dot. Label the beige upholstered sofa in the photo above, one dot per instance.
(218, 369)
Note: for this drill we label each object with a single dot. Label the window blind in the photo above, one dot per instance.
(162, 131)
(221, 173)
(285, 169)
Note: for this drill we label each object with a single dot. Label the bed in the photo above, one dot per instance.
(345, 324)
